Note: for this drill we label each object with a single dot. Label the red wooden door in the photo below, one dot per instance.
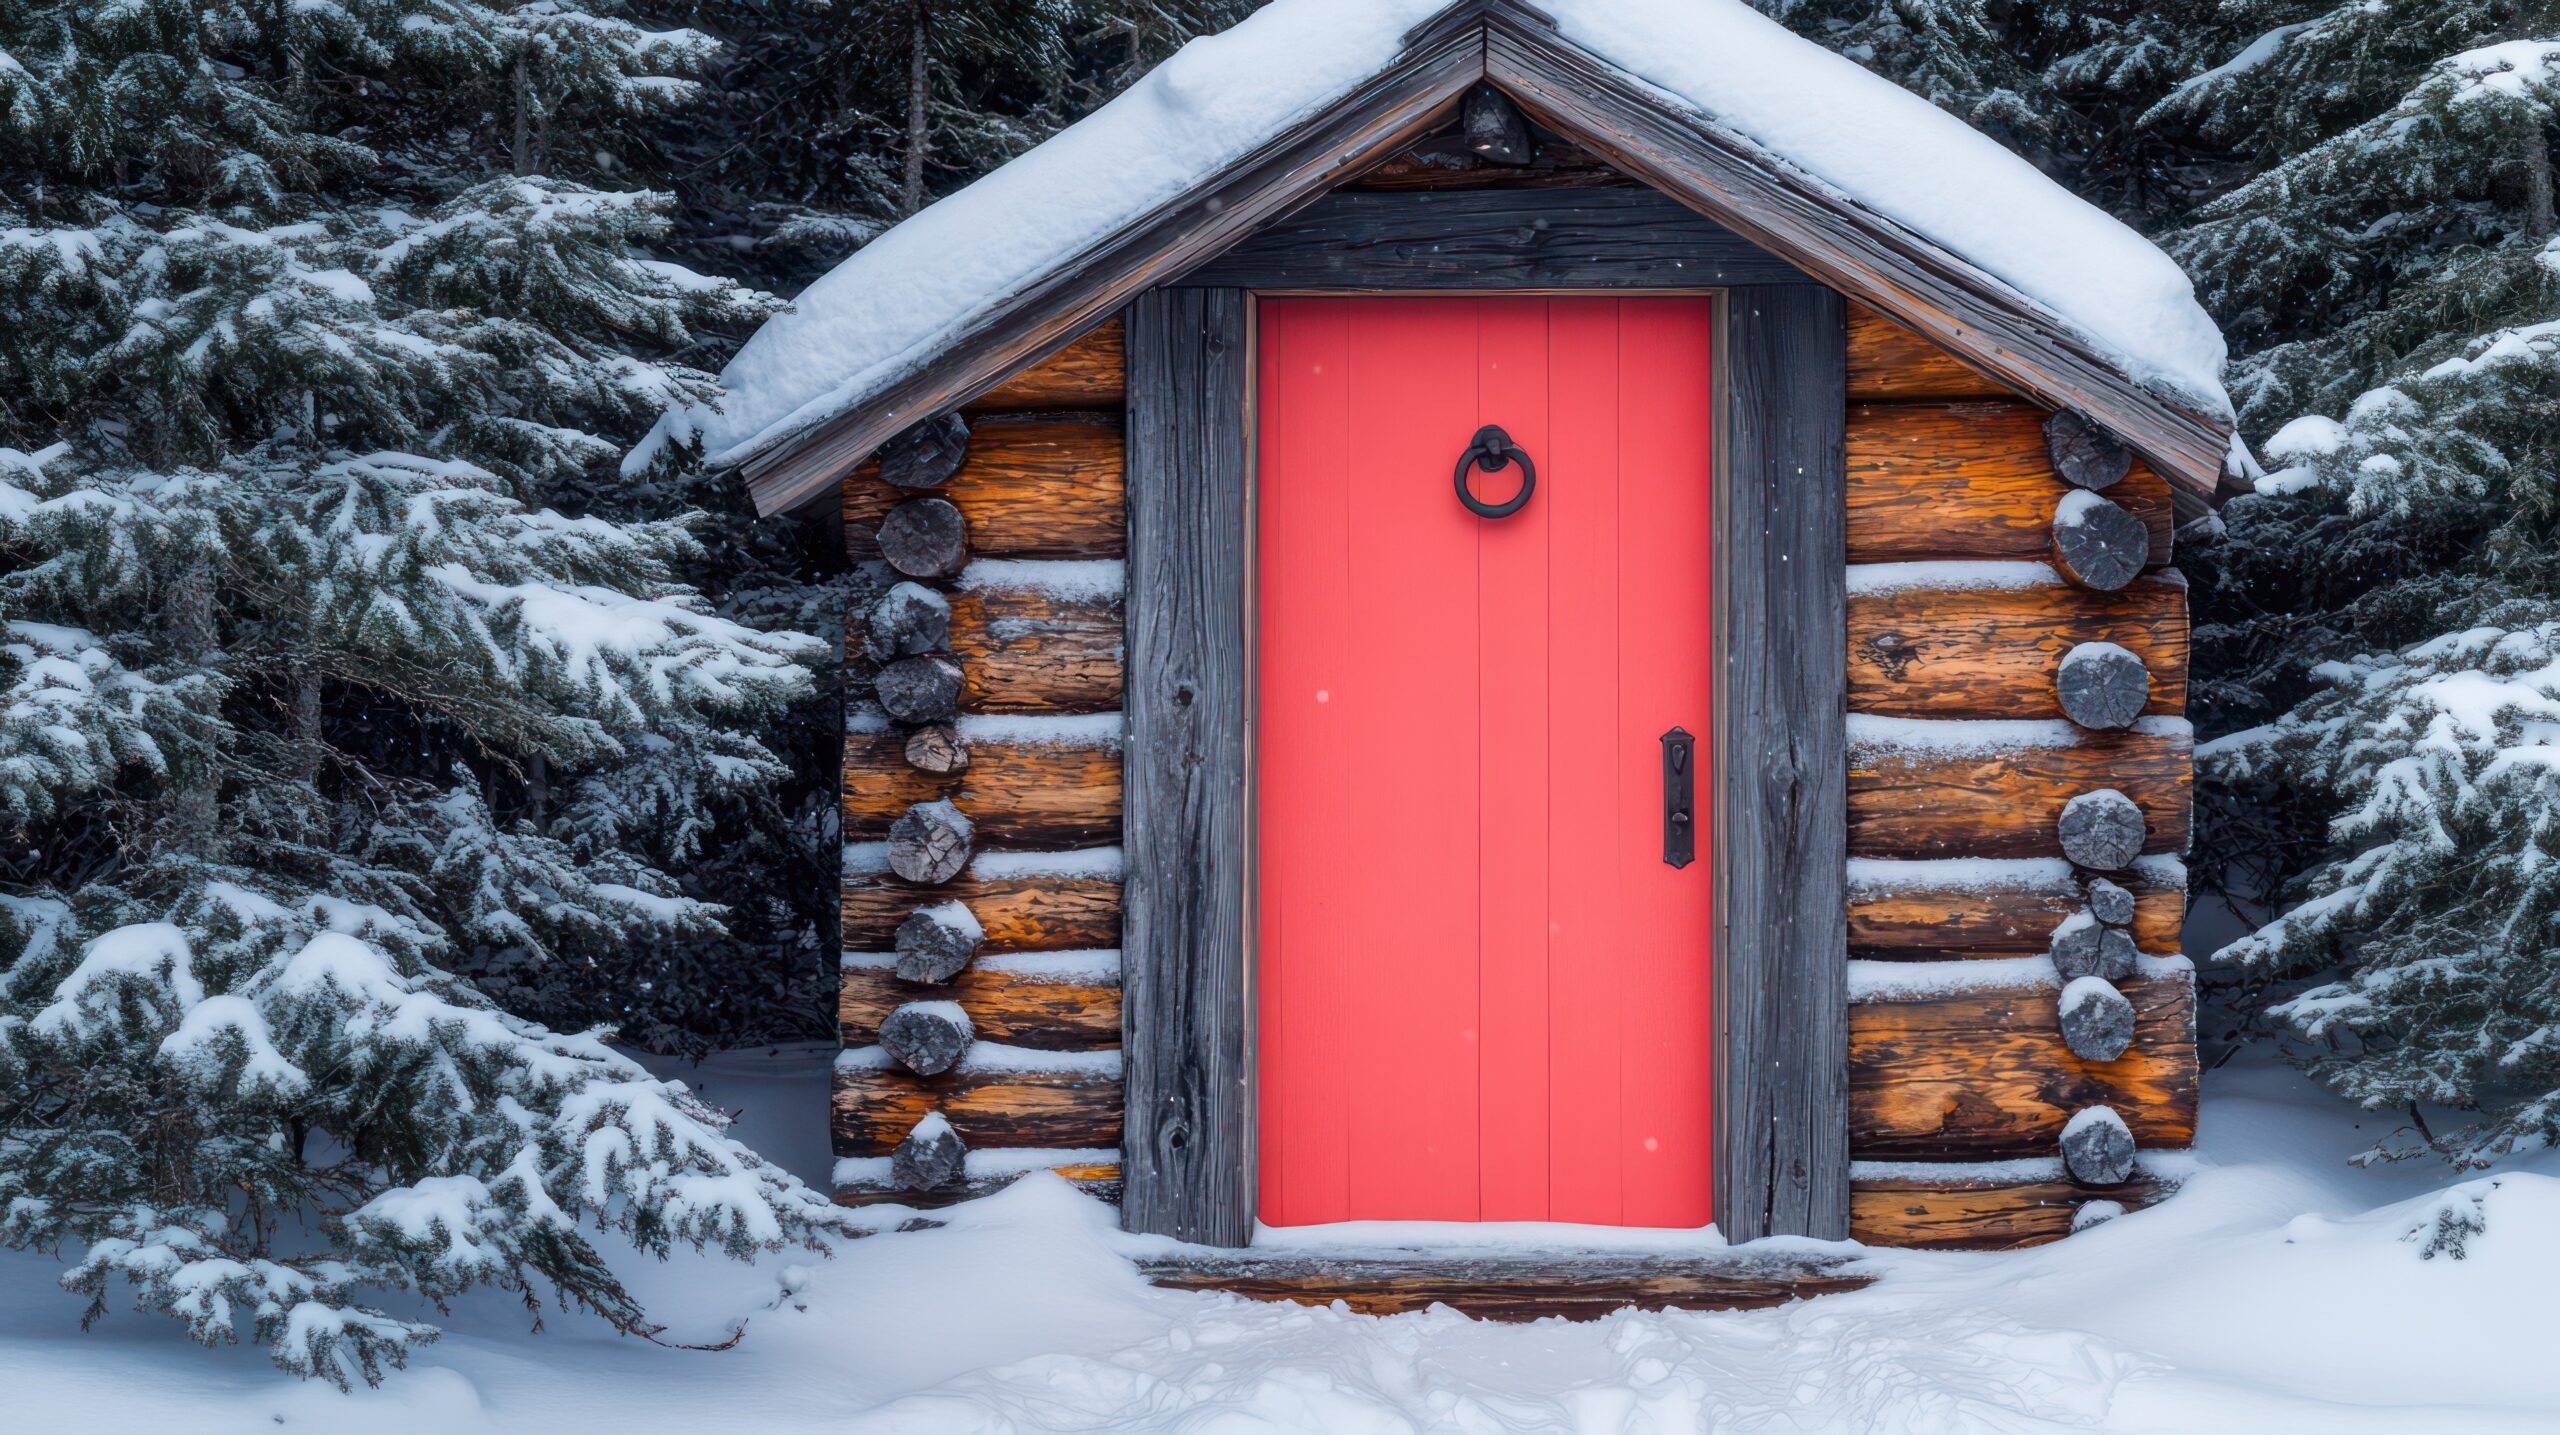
(1483, 994)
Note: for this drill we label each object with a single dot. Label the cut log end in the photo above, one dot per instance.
(935, 944)
(2085, 455)
(927, 1038)
(2097, 1021)
(2109, 903)
(931, 1157)
(2083, 947)
(927, 455)
(925, 689)
(2094, 1213)
(909, 619)
(2102, 686)
(2097, 1147)
(2102, 830)
(925, 538)
(2098, 544)
(937, 748)
(1495, 130)
(929, 843)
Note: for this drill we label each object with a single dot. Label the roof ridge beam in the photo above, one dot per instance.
(1466, 14)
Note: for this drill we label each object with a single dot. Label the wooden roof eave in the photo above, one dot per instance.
(1722, 175)
(1400, 105)
(1868, 256)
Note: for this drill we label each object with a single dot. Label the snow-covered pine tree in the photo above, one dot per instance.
(2379, 617)
(296, 354)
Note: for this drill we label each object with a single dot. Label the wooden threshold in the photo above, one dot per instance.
(1522, 1287)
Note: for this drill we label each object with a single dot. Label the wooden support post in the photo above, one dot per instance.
(1188, 999)
(1782, 1104)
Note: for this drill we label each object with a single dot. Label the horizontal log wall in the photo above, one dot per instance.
(1962, 759)
(1036, 630)
(1981, 1073)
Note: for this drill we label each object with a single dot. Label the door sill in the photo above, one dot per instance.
(1523, 1286)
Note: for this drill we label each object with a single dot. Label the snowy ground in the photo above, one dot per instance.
(2277, 1293)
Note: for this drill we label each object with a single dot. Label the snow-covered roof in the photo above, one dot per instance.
(894, 305)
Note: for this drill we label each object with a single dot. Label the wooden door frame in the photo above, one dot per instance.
(1190, 972)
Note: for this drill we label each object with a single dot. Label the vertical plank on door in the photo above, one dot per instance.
(1666, 605)
(1409, 825)
(1586, 990)
(1187, 1147)
(1304, 615)
(1782, 816)
(1511, 772)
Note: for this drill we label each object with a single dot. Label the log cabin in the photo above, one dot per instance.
(1497, 612)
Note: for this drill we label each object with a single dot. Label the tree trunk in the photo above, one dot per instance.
(187, 620)
(523, 85)
(919, 118)
(2539, 219)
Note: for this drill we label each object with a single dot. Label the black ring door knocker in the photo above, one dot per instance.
(1492, 449)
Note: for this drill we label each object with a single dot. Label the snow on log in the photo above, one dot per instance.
(936, 943)
(1941, 1071)
(2102, 686)
(1075, 1101)
(1981, 1205)
(2110, 903)
(2096, 543)
(1496, 132)
(2097, 1147)
(1033, 650)
(927, 1038)
(2102, 829)
(925, 538)
(1035, 486)
(2097, 1022)
(1069, 1004)
(1988, 905)
(937, 748)
(927, 455)
(920, 689)
(931, 1155)
(1977, 640)
(1027, 795)
(2085, 455)
(2085, 947)
(1022, 912)
(871, 1180)
(929, 842)
(1969, 481)
(1929, 788)
(909, 619)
